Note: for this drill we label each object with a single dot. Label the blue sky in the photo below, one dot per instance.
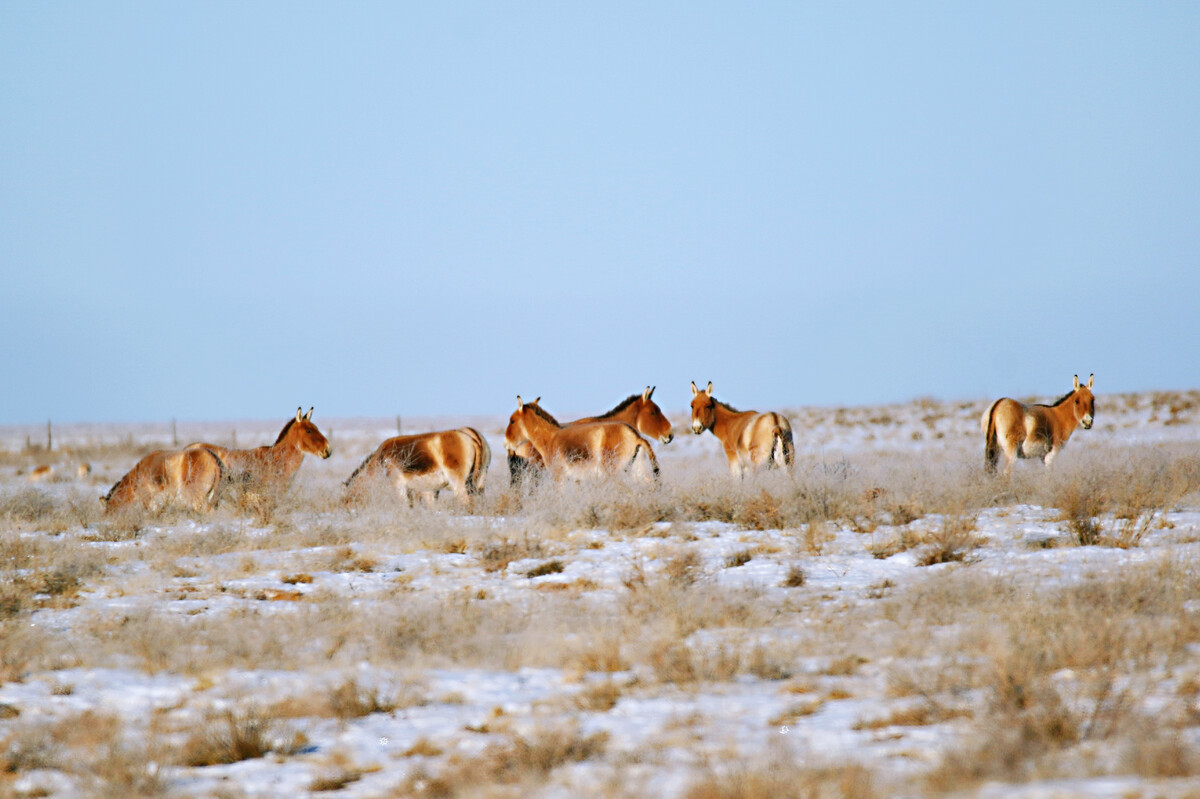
(225, 210)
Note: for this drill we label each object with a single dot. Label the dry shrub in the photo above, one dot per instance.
(615, 504)
(522, 762)
(684, 568)
(680, 608)
(350, 700)
(1065, 666)
(680, 663)
(1080, 502)
(816, 536)
(738, 558)
(336, 780)
(795, 577)
(1114, 499)
(661, 611)
(40, 572)
(27, 648)
(784, 779)
(543, 569)
(951, 541)
(93, 747)
(601, 654)
(16, 596)
(496, 555)
(29, 746)
(894, 544)
(768, 661)
(27, 505)
(914, 714)
(600, 696)
(231, 737)
(1160, 754)
(763, 511)
(715, 507)
(716, 659)
(346, 558)
(796, 711)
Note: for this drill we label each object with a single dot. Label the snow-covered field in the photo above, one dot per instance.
(887, 622)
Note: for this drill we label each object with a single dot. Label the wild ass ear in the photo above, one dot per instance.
(298, 416)
(308, 415)
(520, 404)
(1091, 380)
(646, 394)
(536, 401)
(695, 390)
(708, 390)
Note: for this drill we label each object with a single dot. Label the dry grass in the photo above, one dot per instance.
(951, 541)
(231, 737)
(518, 765)
(1037, 671)
(786, 779)
(104, 758)
(1060, 667)
(1114, 499)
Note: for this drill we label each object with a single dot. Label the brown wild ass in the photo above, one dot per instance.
(1035, 431)
(264, 474)
(426, 463)
(191, 477)
(637, 410)
(752, 440)
(40, 474)
(600, 447)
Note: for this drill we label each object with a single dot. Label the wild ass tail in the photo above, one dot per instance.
(224, 478)
(783, 450)
(479, 465)
(991, 442)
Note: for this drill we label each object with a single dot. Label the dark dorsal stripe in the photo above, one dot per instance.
(625, 403)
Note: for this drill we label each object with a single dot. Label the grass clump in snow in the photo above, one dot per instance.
(231, 737)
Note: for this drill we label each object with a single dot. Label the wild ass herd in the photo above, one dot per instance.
(618, 441)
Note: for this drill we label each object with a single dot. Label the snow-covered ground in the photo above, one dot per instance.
(383, 651)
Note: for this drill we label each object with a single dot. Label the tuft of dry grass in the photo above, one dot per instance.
(795, 577)
(496, 555)
(522, 763)
(786, 779)
(231, 737)
(106, 760)
(600, 696)
(350, 700)
(543, 569)
(919, 714)
(951, 541)
(739, 558)
(1060, 668)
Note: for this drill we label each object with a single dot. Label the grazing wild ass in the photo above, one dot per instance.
(426, 463)
(190, 477)
(637, 410)
(1035, 431)
(601, 447)
(752, 440)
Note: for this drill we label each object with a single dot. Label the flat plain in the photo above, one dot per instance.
(886, 621)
